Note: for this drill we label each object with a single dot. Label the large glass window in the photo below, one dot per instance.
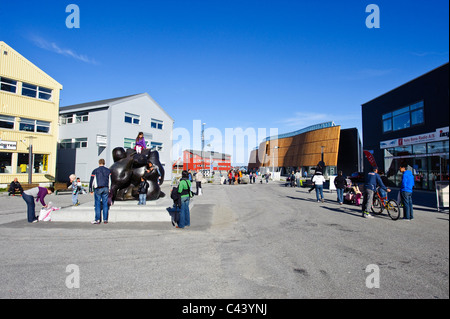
(5, 163)
(438, 147)
(22, 163)
(404, 117)
(40, 164)
(7, 122)
(129, 143)
(8, 85)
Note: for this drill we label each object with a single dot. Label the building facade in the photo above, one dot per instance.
(410, 124)
(214, 161)
(303, 149)
(91, 131)
(29, 108)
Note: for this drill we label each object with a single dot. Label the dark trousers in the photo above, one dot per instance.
(31, 206)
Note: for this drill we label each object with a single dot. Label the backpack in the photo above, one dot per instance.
(175, 196)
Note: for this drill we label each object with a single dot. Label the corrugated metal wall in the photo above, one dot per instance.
(14, 66)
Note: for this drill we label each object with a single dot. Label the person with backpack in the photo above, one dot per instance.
(184, 189)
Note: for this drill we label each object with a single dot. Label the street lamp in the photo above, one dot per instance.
(203, 145)
(273, 161)
(30, 159)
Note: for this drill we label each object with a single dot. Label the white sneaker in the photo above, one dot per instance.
(367, 215)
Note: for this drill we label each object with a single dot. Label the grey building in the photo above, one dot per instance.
(90, 131)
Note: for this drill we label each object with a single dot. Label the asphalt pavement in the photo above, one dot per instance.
(245, 241)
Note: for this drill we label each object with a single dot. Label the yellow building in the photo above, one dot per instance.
(29, 112)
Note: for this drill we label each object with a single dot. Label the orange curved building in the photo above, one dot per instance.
(303, 149)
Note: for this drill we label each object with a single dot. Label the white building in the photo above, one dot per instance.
(91, 131)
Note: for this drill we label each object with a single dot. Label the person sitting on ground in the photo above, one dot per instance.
(15, 188)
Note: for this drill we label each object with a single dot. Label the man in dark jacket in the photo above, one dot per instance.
(340, 183)
(99, 185)
(15, 187)
(373, 180)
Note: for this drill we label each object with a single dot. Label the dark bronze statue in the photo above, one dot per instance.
(126, 173)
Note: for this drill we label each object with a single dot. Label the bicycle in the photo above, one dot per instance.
(382, 203)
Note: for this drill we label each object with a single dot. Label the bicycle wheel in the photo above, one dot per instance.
(377, 207)
(393, 209)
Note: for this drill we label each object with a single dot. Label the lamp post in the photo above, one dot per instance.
(30, 159)
(273, 161)
(203, 145)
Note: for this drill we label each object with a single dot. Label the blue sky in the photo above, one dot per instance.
(233, 64)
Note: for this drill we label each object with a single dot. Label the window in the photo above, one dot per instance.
(8, 85)
(82, 117)
(29, 90)
(5, 163)
(403, 118)
(40, 164)
(7, 122)
(132, 118)
(438, 147)
(129, 143)
(29, 125)
(155, 146)
(45, 94)
(157, 124)
(22, 163)
(66, 119)
(73, 143)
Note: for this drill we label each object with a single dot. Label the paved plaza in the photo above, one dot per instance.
(246, 241)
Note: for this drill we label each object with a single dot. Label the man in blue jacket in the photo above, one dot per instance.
(406, 191)
(370, 187)
(99, 185)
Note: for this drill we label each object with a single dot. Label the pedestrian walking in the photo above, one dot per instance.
(373, 180)
(298, 176)
(406, 191)
(184, 189)
(318, 181)
(99, 186)
(29, 197)
(340, 183)
(198, 182)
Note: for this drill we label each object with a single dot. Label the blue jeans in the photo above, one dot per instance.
(31, 213)
(319, 191)
(142, 199)
(101, 203)
(185, 218)
(340, 195)
(407, 205)
(75, 198)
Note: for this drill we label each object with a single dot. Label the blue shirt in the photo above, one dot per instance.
(100, 178)
(407, 182)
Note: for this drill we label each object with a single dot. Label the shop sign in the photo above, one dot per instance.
(6, 145)
(440, 134)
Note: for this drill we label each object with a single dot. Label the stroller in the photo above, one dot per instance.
(352, 194)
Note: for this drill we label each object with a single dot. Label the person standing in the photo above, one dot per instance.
(406, 191)
(298, 176)
(73, 180)
(340, 184)
(39, 194)
(318, 181)
(373, 180)
(99, 185)
(184, 189)
(143, 188)
(198, 182)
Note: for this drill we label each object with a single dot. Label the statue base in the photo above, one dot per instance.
(125, 211)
